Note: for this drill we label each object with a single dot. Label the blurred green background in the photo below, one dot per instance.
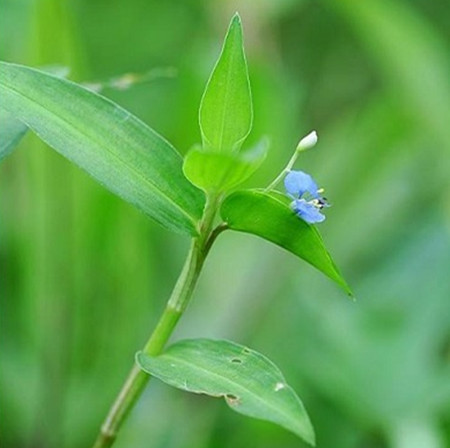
(84, 276)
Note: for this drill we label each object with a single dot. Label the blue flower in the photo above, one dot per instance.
(307, 202)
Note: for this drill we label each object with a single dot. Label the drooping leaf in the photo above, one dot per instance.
(11, 129)
(250, 383)
(219, 171)
(226, 107)
(112, 145)
(269, 216)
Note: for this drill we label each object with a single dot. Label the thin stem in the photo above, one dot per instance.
(131, 389)
(179, 299)
(286, 170)
(305, 143)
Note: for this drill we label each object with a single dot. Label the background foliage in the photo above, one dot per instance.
(84, 275)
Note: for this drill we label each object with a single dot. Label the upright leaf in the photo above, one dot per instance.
(270, 217)
(250, 383)
(226, 107)
(112, 145)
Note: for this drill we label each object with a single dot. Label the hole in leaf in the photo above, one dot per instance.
(246, 351)
(232, 400)
(236, 361)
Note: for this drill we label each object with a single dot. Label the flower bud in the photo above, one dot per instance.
(307, 142)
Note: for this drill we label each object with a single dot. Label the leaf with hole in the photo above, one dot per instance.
(269, 216)
(250, 383)
(226, 112)
(113, 146)
(214, 171)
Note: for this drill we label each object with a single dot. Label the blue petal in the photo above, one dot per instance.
(298, 183)
(307, 211)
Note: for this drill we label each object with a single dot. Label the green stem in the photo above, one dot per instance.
(304, 144)
(181, 294)
(286, 170)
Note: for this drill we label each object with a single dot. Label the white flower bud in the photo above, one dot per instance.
(307, 142)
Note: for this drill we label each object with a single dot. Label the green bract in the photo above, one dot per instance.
(226, 107)
(112, 145)
(269, 216)
(249, 382)
(215, 171)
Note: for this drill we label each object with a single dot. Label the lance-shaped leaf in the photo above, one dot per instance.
(226, 107)
(214, 171)
(112, 145)
(250, 383)
(269, 216)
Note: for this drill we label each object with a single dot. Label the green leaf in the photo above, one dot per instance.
(112, 145)
(11, 129)
(226, 107)
(269, 216)
(11, 132)
(215, 171)
(250, 383)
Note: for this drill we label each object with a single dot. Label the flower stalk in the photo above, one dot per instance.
(305, 143)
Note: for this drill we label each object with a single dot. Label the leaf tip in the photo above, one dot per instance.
(345, 286)
(236, 19)
(235, 27)
(308, 434)
(305, 430)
